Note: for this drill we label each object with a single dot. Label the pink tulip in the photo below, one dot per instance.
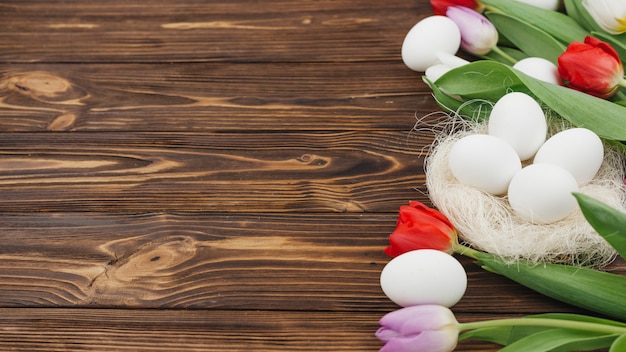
(478, 35)
(429, 328)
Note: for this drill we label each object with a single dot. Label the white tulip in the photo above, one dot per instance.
(610, 15)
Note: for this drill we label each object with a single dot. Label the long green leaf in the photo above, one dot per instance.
(559, 25)
(619, 345)
(528, 38)
(475, 110)
(482, 79)
(502, 335)
(548, 340)
(594, 290)
(507, 335)
(607, 221)
(512, 52)
(490, 80)
(578, 317)
(575, 10)
(605, 118)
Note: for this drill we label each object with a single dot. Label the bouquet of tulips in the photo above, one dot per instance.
(567, 55)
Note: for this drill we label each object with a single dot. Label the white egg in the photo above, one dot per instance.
(445, 63)
(542, 193)
(484, 162)
(540, 69)
(429, 37)
(424, 276)
(578, 150)
(518, 119)
(551, 5)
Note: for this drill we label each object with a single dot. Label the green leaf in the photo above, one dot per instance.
(578, 317)
(475, 110)
(490, 80)
(528, 38)
(512, 52)
(594, 290)
(590, 344)
(483, 79)
(502, 335)
(576, 11)
(507, 335)
(559, 25)
(619, 345)
(607, 221)
(550, 339)
(606, 119)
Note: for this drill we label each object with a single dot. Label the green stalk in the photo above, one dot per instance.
(586, 288)
(551, 323)
(506, 56)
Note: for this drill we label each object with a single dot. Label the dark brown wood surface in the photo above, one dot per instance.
(211, 175)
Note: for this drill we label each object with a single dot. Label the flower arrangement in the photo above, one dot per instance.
(533, 145)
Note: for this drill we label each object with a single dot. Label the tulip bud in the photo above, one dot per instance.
(610, 15)
(478, 34)
(421, 227)
(430, 328)
(441, 6)
(593, 67)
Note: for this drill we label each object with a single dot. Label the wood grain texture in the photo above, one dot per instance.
(212, 175)
(53, 330)
(211, 97)
(282, 262)
(294, 172)
(204, 31)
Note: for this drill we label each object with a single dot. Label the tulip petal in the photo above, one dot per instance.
(419, 328)
(431, 341)
(478, 35)
(420, 227)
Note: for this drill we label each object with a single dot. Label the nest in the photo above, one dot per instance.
(487, 222)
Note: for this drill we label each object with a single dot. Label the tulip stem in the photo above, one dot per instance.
(506, 56)
(544, 322)
(622, 82)
(466, 251)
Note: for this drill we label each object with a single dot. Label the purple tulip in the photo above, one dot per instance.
(425, 328)
(478, 34)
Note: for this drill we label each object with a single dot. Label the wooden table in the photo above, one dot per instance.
(210, 175)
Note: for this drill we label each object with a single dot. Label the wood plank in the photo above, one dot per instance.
(53, 330)
(200, 31)
(250, 261)
(211, 97)
(260, 172)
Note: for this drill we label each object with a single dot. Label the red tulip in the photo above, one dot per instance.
(592, 67)
(441, 6)
(421, 227)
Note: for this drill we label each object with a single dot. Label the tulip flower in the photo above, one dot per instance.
(610, 15)
(421, 227)
(478, 35)
(429, 328)
(433, 328)
(441, 6)
(593, 67)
